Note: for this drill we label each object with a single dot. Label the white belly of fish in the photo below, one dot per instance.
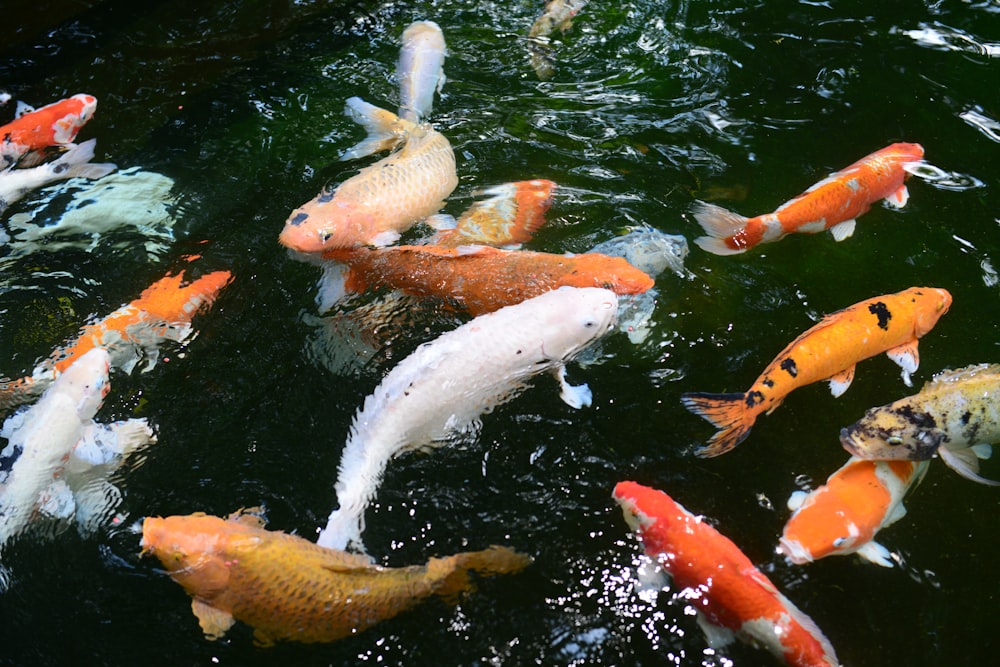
(441, 390)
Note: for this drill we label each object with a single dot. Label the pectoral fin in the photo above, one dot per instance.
(574, 396)
(965, 463)
(843, 230)
(214, 622)
(898, 198)
(876, 553)
(906, 357)
(840, 382)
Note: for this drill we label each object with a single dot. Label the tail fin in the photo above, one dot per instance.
(488, 562)
(720, 224)
(728, 413)
(385, 129)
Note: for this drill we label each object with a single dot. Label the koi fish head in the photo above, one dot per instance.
(594, 311)
(87, 380)
(893, 432)
(904, 153)
(650, 513)
(76, 112)
(196, 549)
(325, 223)
(931, 304)
(613, 273)
(820, 527)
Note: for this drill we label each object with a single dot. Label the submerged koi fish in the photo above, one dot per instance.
(956, 416)
(843, 515)
(53, 125)
(287, 588)
(510, 216)
(832, 204)
(162, 312)
(420, 69)
(892, 323)
(557, 15)
(730, 595)
(40, 439)
(481, 279)
(439, 392)
(377, 204)
(74, 163)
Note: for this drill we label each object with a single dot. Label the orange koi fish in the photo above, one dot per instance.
(842, 516)
(288, 588)
(891, 323)
(53, 125)
(832, 204)
(731, 596)
(481, 279)
(377, 204)
(163, 311)
(509, 217)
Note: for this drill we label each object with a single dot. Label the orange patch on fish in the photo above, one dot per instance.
(52, 125)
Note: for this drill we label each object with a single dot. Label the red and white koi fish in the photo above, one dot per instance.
(384, 199)
(481, 279)
(439, 392)
(843, 515)
(509, 217)
(162, 312)
(892, 323)
(730, 595)
(54, 125)
(832, 204)
(420, 70)
(74, 163)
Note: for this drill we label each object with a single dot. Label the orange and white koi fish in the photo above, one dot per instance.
(54, 125)
(481, 279)
(955, 416)
(832, 204)
(892, 323)
(730, 595)
(420, 70)
(509, 217)
(290, 589)
(74, 163)
(162, 312)
(377, 204)
(843, 515)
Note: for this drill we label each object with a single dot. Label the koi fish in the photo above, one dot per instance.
(162, 312)
(288, 588)
(440, 391)
(956, 416)
(420, 69)
(557, 15)
(509, 217)
(730, 595)
(56, 124)
(832, 204)
(481, 279)
(74, 163)
(41, 438)
(842, 516)
(377, 204)
(892, 323)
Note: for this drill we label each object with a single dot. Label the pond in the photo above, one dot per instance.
(232, 115)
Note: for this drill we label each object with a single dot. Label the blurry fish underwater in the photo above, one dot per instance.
(843, 515)
(15, 184)
(420, 69)
(439, 392)
(557, 15)
(955, 416)
(290, 589)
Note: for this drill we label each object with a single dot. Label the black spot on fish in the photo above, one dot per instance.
(918, 419)
(754, 398)
(326, 195)
(767, 382)
(60, 168)
(965, 418)
(299, 219)
(881, 311)
(788, 365)
(519, 352)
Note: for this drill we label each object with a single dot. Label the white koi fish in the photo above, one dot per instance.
(74, 163)
(440, 391)
(420, 70)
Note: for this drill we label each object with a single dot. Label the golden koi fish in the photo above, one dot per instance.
(383, 200)
(288, 588)
(956, 416)
(892, 323)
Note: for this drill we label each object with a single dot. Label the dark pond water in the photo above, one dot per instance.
(653, 104)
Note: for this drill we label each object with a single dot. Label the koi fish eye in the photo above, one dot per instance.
(894, 440)
(839, 542)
